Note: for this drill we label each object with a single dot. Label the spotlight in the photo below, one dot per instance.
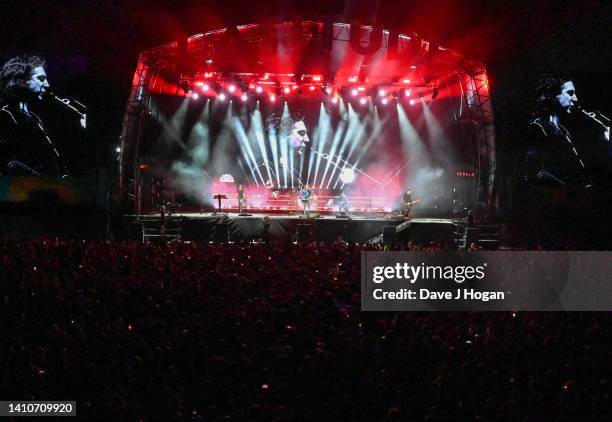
(354, 92)
(353, 78)
(384, 101)
(382, 92)
(408, 92)
(244, 97)
(272, 98)
(406, 81)
(195, 96)
(316, 78)
(231, 88)
(347, 175)
(259, 89)
(222, 97)
(312, 87)
(362, 100)
(328, 90)
(335, 100)
(205, 87)
(118, 149)
(411, 102)
(287, 90)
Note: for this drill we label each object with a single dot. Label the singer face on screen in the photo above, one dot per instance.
(552, 158)
(25, 147)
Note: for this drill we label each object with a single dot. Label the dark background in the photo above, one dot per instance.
(92, 46)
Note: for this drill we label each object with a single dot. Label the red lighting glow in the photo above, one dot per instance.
(259, 89)
(205, 87)
(312, 87)
(222, 97)
(406, 81)
(232, 88)
(362, 100)
(354, 92)
(273, 98)
(199, 83)
(411, 102)
(353, 78)
(287, 90)
(316, 78)
(244, 97)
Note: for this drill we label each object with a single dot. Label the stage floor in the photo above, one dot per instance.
(196, 226)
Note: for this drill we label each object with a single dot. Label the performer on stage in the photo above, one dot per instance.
(343, 203)
(25, 147)
(241, 199)
(407, 200)
(306, 197)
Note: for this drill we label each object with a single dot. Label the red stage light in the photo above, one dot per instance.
(411, 102)
(195, 96)
(199, 83)
(316, 78)
(286, 90)
(384, 101)
(208, 75)
(205, 87)
(406, 81)
(273, 98)
(354, 92)
(244, 97)
(335, 100)
(362, 100)
(408, 92)
(259, 89)
(231, 88)
(328, 90)
(353, 79)
(312, 87)
(382, 92)
(222, 97)
(361, 88)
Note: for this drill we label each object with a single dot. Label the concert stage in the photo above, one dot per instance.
(232, 227)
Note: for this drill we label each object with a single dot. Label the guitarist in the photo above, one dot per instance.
(408, 202)
(305, 197)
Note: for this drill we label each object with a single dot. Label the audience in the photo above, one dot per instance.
(274, 332)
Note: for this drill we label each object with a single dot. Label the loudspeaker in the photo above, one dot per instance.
(304, 234)
(220, 233)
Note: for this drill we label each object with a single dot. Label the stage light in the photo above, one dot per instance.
(353, 78)
(316, 78)
(244, 97)
(411, 102)
(384, 101)
(362, 100)
(406, 81)
(312, 87)
(335, 100)
(382, 92)
(195, 96)
(118, 149)
(231, 88)
(272, 98)
(408, 92)
(361, 89)
(347, 175)
(199, 83)
(259, 90)
(222, 97)
(205, 87)
(328, 90)
(287, 90)
(354, 92)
